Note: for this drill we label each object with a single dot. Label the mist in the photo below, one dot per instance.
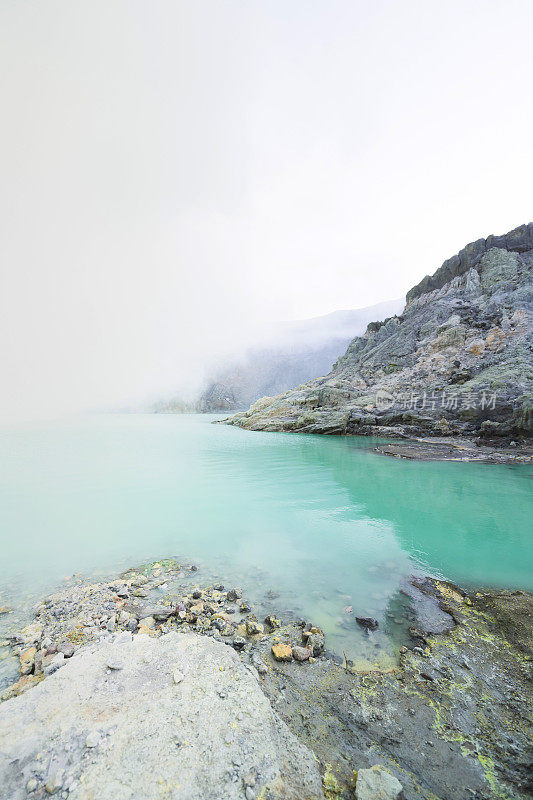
(176, 177)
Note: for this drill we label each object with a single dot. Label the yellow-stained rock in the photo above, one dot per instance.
(26, 682)
(27, 660)
(282, 652)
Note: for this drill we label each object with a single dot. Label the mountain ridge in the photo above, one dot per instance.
(291, 354)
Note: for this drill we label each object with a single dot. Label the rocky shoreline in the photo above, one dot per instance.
(459, 449)
(449, 722)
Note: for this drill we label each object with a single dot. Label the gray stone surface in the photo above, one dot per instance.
(377, 783)
(457, 362)
(136, 733)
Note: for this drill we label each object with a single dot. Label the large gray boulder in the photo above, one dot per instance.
(179, 717)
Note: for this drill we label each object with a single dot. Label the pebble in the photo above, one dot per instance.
(31, 785)
(253, 627)
(92, 739)
(177, 676)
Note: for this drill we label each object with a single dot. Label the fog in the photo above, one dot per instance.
(175, 176)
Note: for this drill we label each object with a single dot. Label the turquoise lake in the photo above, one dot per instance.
(324, 522)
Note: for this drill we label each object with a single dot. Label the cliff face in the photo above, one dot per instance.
(458, 361)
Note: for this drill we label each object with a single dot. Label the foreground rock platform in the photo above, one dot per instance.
(175, 717)
(134, 691)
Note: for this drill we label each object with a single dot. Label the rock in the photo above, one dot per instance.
(56, 662)
(150, 722)
(5, 610)
(32, 633)
(177, 676)
(377, 783)
(238, 642)
(258, 663)
(253, 627)
(300, 653)
(27, 660)
(314, 640)
(110, 624)
(273, 621)
(67, 649)
(196, 595)
(55, 781)
(234, 594)
(367, 622)
(23, 684)
(160, 613)
(245, 607)
(93, 739)
(147, 622)
(197, 609)
(31, 785)
(282, 652)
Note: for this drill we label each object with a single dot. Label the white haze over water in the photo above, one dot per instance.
(177, 175)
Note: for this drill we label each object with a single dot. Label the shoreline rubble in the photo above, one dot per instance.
(449, 721)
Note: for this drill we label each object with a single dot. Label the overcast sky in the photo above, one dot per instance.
(173, 174)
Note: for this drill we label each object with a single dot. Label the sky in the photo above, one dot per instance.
(176, 175)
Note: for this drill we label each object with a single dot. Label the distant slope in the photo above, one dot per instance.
(459, 359)
(296, 353)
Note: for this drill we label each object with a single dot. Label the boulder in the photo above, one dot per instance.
(301, 653)
(377, 783)
(282, 652)
(200, 737)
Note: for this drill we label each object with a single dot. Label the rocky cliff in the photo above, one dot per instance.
(457, 361)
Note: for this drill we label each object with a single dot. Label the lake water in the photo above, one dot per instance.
(323, 521)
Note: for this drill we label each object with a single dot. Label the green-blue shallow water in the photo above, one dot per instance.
(324, 521)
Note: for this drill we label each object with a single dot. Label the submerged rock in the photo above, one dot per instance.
(367, 622)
